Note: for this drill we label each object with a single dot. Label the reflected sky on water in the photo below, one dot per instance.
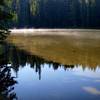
(41, 79)
(58, 84)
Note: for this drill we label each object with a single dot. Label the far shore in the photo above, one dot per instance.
(90, 33)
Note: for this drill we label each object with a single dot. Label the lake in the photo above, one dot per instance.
(51, 67)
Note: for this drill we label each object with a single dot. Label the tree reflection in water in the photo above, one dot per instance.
(7, 82)
(19, 58)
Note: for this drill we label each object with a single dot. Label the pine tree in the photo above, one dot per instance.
(5, 17)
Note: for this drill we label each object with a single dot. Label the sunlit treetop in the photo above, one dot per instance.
(87, 1)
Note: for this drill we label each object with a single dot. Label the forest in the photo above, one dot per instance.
(55, 13)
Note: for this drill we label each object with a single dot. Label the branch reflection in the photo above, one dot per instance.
(7, 82)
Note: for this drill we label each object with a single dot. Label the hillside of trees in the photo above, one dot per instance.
(55, 13)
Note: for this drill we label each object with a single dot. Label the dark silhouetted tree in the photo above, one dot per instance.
(5, 17)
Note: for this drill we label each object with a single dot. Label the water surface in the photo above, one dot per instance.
(53, 67)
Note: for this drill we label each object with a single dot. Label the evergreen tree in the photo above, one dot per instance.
(5, 17)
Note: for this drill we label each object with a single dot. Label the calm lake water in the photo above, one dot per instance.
(50, 68)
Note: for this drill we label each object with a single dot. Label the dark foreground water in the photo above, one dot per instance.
(26, 76)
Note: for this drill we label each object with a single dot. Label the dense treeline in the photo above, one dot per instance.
(56, 13)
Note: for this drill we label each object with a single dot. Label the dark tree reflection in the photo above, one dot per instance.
(19, 58)
(7, 82)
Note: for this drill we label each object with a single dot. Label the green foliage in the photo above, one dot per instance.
(51, 13)
(8, 2)
(15, 17)
(5, 17)
(34, 5)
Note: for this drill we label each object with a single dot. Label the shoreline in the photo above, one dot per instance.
(84, 33)
(53, 30)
